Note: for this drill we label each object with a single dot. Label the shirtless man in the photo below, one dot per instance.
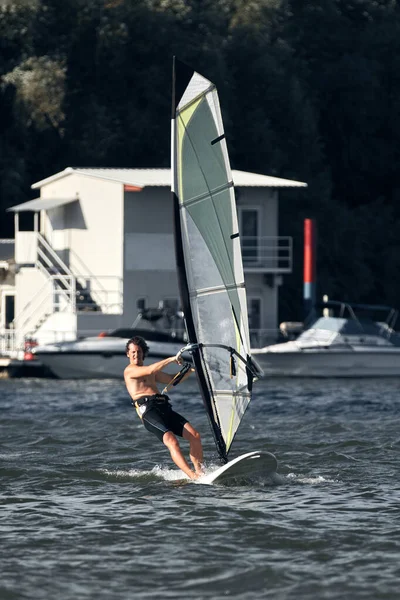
(154, 408)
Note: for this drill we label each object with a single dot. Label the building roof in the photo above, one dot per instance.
(142, 178)
(41, 204)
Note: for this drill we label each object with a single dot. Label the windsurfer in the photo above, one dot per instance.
(154, 408)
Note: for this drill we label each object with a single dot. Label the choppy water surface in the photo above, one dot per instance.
(91, 506)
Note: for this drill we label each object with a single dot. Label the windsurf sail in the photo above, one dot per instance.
(208, 253)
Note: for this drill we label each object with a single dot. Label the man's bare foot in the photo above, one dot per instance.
(200, 470)
(194, 475)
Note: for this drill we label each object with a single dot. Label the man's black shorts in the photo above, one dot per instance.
(158, 416)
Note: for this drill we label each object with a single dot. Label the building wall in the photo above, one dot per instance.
(149, 253)
(267, 201)
(263, 289)
(33, 299)
(88, 234)
(150, 270)
(93, 226)
(262, 286)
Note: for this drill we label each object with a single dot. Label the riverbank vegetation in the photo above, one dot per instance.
(309, 91)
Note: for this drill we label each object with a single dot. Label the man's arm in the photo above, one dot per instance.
(164, 377)
(135, 371)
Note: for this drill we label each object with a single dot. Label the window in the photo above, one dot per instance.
(254, 312)
(8, 310)
(249, 219)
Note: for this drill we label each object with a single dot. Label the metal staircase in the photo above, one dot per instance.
(62, 292)
(63, 279)
(59, 298)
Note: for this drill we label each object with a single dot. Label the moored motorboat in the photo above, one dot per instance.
(104, 356)
(349, 345)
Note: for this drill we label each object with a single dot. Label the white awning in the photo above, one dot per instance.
(41, 204)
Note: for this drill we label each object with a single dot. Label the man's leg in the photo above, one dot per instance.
(196, 448)
(169, 439)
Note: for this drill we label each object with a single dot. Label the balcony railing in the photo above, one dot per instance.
(270, 254)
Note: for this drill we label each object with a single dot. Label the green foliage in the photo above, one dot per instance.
(309, 91)
(39, 83)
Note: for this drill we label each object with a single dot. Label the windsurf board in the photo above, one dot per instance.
(251, 464)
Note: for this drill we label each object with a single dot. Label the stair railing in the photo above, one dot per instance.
(82, 272)
(52, 259)
(34, 311)
(99, 292)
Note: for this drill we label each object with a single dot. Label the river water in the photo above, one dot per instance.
(91, 506)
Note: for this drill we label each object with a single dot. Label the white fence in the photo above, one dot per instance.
(269, 254)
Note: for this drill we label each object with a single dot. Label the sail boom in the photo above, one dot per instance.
(229, 393)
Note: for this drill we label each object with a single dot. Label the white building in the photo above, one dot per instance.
(101, 245)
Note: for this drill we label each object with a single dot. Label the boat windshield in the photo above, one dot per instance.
(333, 330)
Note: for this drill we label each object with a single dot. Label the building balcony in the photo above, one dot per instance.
(270, 254)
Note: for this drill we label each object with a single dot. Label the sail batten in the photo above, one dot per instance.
(208, 254)
(206, 195)
(213, 290)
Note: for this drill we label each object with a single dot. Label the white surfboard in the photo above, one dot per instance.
(251, 464)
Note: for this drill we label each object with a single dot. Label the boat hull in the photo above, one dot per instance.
(97, 359)
(330, 363)
(85, 366)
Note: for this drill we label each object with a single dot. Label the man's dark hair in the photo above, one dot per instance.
(138, 341)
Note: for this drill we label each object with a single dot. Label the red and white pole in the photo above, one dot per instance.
(309, 266)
